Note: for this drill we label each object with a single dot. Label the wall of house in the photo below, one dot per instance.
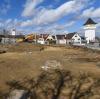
(50, 37)
(13, 32)
(40, 41)
(61, 41)
(69, 42)
(8, 40)
(76, 39)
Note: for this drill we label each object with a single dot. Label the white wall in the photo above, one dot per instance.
(49, 37)
(8, 40)
(76, 39)
(90, 32)
(13, 32)
(61, 41)
(41, 41)
(90, 35)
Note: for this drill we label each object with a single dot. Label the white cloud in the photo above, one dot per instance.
(29, 7)
(43, 19)
(1, 24)
(10, 23)
(62, 26)
(91, 12)
(26, 23)
(45, 16)
(51, 15)
(54, 28)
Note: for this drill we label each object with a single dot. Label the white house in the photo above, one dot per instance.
(74, 39)
(89, 28)
(61, 39)
(13, 32)
(41, 41)
(51, 39)
(46, 39)
(42, 38)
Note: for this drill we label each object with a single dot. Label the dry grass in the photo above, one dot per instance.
(25, 60)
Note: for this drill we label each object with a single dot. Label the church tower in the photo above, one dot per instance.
(89, 28)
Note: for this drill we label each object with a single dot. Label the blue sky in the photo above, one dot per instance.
(48, 16)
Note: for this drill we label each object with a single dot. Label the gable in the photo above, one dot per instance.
(49, 37)
(76, 36)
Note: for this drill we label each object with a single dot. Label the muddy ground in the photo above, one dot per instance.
(25, 61)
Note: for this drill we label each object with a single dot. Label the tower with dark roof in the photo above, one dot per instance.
(89, 28)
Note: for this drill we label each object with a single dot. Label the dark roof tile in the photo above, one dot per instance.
(70, 35)
(59, 37)
(89, 21)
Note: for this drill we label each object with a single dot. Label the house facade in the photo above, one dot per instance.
(10, 39)
(76, 39)
(73, 39)
(41, 39)
(61, 39)
(51, 39)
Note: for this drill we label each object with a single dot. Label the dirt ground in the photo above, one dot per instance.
(26, 60)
